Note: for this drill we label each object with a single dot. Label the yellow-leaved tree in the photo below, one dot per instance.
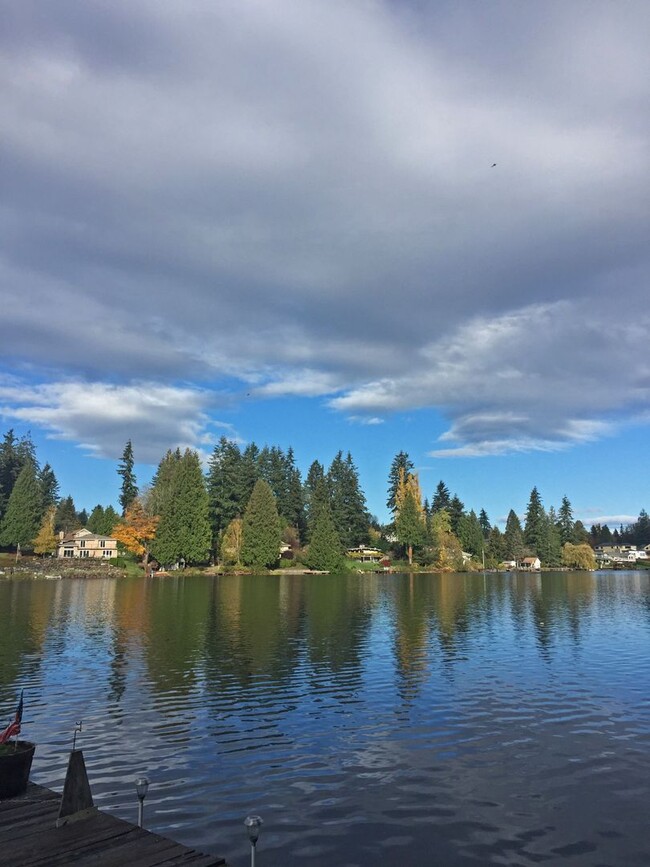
(410, 519)
(231, 543)
(46, 540)
(136, 530)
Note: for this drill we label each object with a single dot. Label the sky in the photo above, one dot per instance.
(365, 225)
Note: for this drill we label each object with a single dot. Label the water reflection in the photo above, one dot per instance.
(491, 716)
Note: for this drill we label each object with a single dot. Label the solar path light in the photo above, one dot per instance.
(141, 787)
(253, 825)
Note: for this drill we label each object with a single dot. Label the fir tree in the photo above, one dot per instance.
(484, 521)
(102, 520)
(129, 489)
(401, 464)
(495, 550)
(325, 545)
(565, 521)
(441, 499)
(348, 502)
(261, 528)
(456, 511)
(14, 454)
(49, 486)
(470, 535)
(184, 531)
(513, 538)
(65, 519)
(22, 520)
(535, 528)
(224, 485)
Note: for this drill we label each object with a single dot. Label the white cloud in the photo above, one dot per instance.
(101, 417)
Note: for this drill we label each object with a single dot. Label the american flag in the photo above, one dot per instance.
(14, 727)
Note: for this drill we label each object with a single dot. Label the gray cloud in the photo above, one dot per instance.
(304, 197)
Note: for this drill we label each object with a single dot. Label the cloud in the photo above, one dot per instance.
(303, 199)
(102, 417)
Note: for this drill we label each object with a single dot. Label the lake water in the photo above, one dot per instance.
(394, 720)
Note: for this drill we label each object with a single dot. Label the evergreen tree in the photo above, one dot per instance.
(261, 528)
(184, 531)
(495, 550)
(565, 521)
(249, 473)
(46, 540)
(129, 489)
(551, 551)
(410, 521)
(535, 528)
(401, 464)
(484, 521)
(49, 486)
(14, 454)
(641, 529)
(441, 498)
(22, 519)
(456, 511)
(102, 520)
(295, 504)
(325, 545)
(82, 517)
(470, 535)
(65, 519)
(513, 538)
(348, 502)
(313, 491)
(580, 534)
(224, 483)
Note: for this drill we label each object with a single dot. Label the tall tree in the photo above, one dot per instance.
(441, 498)
(484, 521)
(535, 528)
(129, 489)
(49, 486)
(14, 454)
(470, 535)
(348, 502)
(231, 542)
(513, 537)
(410, 520)
(224, 486)
(456, 511)
(184, 531)
(65, 519)
(325, 545)
(261, 531)
(295, 504)
(495, 551)
(565, 521)
(401, 464)
(446, 547)
(22, 520)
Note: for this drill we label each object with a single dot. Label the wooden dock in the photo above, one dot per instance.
(29, 838)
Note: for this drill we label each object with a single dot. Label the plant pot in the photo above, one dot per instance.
(15, 766)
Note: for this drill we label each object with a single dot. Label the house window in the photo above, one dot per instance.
(102, 543)
(82, 544)
(68, 552)
(107, 553)
(84, 553)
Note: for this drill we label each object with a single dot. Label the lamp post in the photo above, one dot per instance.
(141, 787)
(253, 825)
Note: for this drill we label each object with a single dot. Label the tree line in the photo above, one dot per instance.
(250, 503)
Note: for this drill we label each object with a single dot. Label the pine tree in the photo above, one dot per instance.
(348, 502)
(401, 464)
(184, 531)
(565, 521)
(65, 519)
(535, 528)
(14, 454)
(225, 486)
(46, 540)
(470, 535)
(325, 545)
(313, 491)
(484, 521)
(456, 511)
(22, 520)
(513, 538)
(410, 521)
(261, 531)
(49, 486)
(441, 499)
(129, 489)
(295, 507)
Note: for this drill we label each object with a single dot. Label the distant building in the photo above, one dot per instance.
(530, 564)
(83, 544)
(364, 554)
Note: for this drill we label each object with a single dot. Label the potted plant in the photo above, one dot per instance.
(15, 757)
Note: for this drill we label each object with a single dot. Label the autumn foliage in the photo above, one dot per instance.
(136, 530)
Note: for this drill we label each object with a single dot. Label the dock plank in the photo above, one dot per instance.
(28, 837)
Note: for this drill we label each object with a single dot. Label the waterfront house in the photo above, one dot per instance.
(83, 544)
(530, 564)
(364, 554)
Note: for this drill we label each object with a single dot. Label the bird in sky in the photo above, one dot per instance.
(493, 165)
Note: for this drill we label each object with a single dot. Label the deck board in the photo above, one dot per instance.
(28, 837)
